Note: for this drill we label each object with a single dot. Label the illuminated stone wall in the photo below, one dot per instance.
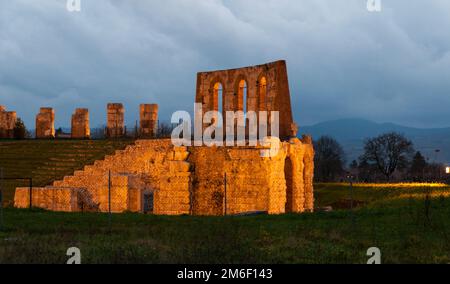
(148, 120)
(45, 123)
(7, 123)
(188, 180)
(80, 124)
(267, 89)
(115, 125)
(195, 180)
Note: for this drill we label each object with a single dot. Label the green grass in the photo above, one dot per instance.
(48, 160)
(392, 219)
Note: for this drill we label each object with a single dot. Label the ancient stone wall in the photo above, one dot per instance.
(253, 183)
(154, 176)
(263, 87)
(190, 180)
(7, 123)
(45, 123)
(55, 199)
(115, 126)
(80, 124)
(148, 120)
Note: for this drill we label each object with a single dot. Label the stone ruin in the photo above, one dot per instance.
(256, 88)
(80, 124)
(45, 123)
(154, 176)
(115, 125)
(148, 120)
(7, 123)
(115, 128)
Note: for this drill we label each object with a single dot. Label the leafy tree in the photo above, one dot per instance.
(20, 131)
(329, 159)
(354, 165)
(388, 152)
(418, 166)
(59, 131)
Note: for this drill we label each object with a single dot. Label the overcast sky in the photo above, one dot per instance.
(343, 61)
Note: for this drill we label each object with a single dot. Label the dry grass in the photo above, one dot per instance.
(389, 185)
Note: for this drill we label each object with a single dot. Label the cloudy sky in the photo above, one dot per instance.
(343, 61)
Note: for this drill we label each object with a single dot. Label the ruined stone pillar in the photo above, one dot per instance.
(296, 203)
(80, 124)
(115, 126)
(45, 123)
(308, 173)
(148, 120)
(7, 122)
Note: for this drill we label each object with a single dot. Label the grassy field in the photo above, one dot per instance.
(48, 160)
(410, 224)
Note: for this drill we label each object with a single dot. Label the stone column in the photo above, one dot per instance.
(45, 123)
(148, 120)
(309, 173)
(115, 126)
(80, 124)
(7, 122)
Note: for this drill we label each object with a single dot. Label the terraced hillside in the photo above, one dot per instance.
(48, 160)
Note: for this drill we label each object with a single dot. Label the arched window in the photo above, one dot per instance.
(218, 97)
(242, 96)
(262, 93)
(241, 105)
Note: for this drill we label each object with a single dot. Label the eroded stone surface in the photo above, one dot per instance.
(190, 180)
(148, 120)
(154, 176)
(45, 123)
(7, 122)
(115, 126)
(80, 124)
(266, 88)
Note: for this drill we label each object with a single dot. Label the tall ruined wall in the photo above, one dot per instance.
(115, 125)
(80, 124)
(7, 123)
(148, 120)
(45, 123)
(267, 89)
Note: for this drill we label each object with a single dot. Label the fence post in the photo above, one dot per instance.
(1, 199)
(136, 134)
(31, 193)
(225, 193)
(109, 198)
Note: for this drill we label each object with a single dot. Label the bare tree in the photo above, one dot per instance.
(164, 130)
(388, 152)
(329, 159)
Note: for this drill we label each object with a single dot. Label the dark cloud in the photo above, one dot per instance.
(343, 61)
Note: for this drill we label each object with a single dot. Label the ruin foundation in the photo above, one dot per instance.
(153, 176)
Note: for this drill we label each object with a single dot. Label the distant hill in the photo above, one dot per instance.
(352, 132)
